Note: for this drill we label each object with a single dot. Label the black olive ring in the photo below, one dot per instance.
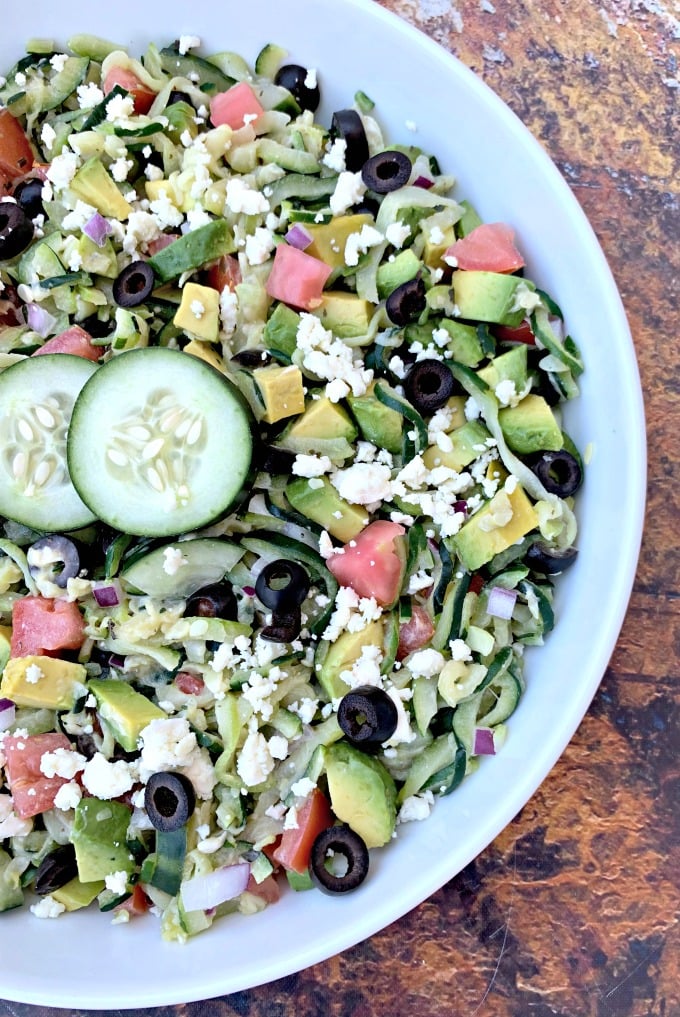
(56, 869)
(407, 302)
(65, 563)
(16, 230)
(428, 385)
(367, 717)
(338, 840)
(294, 78)
(284, 626)
(217, 600)
(386, 171)
(347, 124)
(550, 560)
(169, 800)
(282, 585)
(134, 284)
(559, 472)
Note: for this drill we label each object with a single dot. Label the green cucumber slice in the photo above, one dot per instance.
(206, 561)
(36, 401)
(159, 443)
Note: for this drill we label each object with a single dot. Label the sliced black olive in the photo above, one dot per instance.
(215, 601)
(56, 869)
(28, 195)
(177, 96)
(276, 460)
(428, 385)
(55, 558)
(134, 284)
(550, 560)
(559, 472)
(368, 717)
(97, 327)
(252, 358)
(169, 799)
(405, 304)
(295, 78)
(282, 585)
(342, 841)
(367, 206)
(346, 123)
(16, 230)
(386, 171)
(285, 626)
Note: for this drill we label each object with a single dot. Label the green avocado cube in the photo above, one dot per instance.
(99, 838)
(122, 710)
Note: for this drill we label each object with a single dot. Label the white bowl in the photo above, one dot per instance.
(81, 960)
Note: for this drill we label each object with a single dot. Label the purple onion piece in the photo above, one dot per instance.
(97, 229)
(7, 714)
(298, 236)
(483, 744)
(205, 892)
(40, 320)
(424, 182)
(501, 602)
(107, 594)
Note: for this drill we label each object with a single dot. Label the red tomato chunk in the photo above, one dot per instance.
(32, 792)
(42, 626)
(143, 96)
(297, 278)
(75, 340)
(370, 563)
(236, 107)
(487, 248)
(294, 849)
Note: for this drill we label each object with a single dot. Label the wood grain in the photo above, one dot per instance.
(573, 910)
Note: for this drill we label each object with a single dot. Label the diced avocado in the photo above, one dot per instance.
(508, 366)
(5, 642)
(403, 267)
(345, 314)
(467, 441)
(323, 505)
(93, 184)
(433, 252)
(196, 248)
(76, 894)
(99, 838)
(122, 710)
(280, 332)
(531, 426)
(98, 260)
(488, 296)
(378, 423)
(43, 682)
(469, 220)
(281, 390)
(196, 348)
(329, 239)
(464, 343)
(323, 419)
(362, 793)
(199, 312)
(334, 658)
(481, 538)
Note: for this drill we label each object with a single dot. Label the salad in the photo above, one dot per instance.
(284, 484)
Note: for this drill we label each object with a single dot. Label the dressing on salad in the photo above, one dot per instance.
(284, 483)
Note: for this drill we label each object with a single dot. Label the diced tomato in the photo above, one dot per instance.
(189, 684)
(225, 272)
(235, 107)
(32, 792)
(487, 248)
(521, 334)
(414, 633)
(143, 96)
(16, 154)
(42, 626)
(370, 563)
(75, 340)
(161, 242)
(476, 583)
(268, 890)
(137, 903)
(294, 850)
(297, 278)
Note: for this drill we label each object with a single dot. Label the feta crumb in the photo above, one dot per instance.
(58, 61)
(64, 763)
(255, 761)
(187, 42)
(349, 190)
(359, 243)
(363, 483)
(33, 674)
(89, 95)
(425, 663)
(119, 107)
(334, 157)
(416, 808)
(311, 465)
(48, 135)
(303, 788)
(174, 560)
(397, 233)
(106, 779)
(116, 882)
(68, 796)
(47, 907)
(198, 310)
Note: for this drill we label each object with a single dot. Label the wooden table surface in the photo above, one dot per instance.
(573, 910)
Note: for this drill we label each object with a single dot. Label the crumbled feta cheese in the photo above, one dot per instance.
(58, 61)
(62, 763)
(197, 309)
(119, 107)
(48, 135)
(173, 560)
(89, 95)
(460, 650)
(359, 243)
(166, 744)
(120, 169)
(228, 312)
(68, 796)
(278, 747)
(61, 171)
(142, 228)
(397, 233)
(366, 669)
(416, 807)
(165, 211)
(311, 465)
(187, 42)
(403, 732)
(242, 198)
(303, 788)
(47, 907)
(33, 674)
(349, 190)
(12, 825)
(334, 157)
(259, 246)
(106, 779)
(254, 762)
(363, 483)
(419, 581)
(116, 882)
(425, 663)
(331, 359)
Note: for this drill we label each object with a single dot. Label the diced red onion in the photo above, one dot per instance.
(205, 892)
(423, 182)
(483, 744)
(40, 320)
(298, 236)
(249, 591)
(115, 660)
(107, 594)
(501, 602)
(7, 714)
(460, 506)
(97, 229)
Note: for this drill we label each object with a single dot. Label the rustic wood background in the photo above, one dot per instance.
(573, 910)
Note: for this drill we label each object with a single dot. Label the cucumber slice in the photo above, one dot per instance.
(159, 443)
(36, 401)
(206, 561)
